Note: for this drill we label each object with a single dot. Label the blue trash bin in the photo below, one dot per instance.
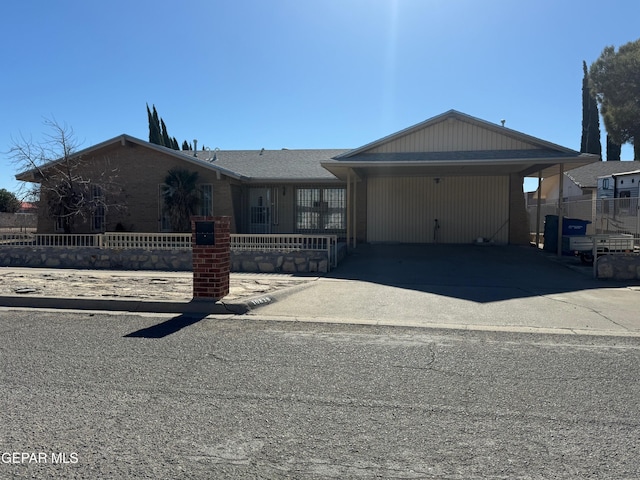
(570, 226)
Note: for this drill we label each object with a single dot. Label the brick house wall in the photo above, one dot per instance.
(140, 171)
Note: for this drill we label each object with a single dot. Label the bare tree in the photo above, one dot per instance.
(64, 184)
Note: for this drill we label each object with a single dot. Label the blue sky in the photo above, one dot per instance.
(251, 74)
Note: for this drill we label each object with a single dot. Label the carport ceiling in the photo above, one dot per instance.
(525, 162)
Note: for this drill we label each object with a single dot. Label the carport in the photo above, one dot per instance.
(451, 179)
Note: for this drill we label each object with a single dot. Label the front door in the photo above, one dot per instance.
(259, 210)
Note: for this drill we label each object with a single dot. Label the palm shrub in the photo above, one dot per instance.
(181, 199)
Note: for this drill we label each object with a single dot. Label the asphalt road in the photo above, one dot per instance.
(125, 396)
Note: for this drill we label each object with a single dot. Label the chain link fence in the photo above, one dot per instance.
(607, 215)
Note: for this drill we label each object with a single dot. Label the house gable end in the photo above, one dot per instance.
(454, 132)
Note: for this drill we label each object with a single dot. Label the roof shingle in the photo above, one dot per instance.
(272, 165)
(587, 175)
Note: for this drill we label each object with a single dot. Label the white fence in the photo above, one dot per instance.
(177, 241)
(53, 240)
(287, 243)
(146, 241)
(123, 241)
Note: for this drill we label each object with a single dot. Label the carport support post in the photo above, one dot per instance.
(211, 250)
(355, 222)
(560, 208)
(348, 207)
(539, 203)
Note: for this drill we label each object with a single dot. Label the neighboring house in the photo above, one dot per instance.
(23, 219)
(580, 182)
(625, 189)
(619, 185)
(27, 208)
(450, 179)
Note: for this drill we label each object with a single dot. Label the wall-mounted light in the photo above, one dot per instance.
(437, 180)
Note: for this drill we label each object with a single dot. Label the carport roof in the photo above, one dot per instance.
(538, 156)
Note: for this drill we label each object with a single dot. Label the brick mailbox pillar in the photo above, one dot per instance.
(211, 247)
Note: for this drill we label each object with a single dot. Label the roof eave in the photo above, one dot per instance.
(289, 181)
(29, 175)
(448, 163)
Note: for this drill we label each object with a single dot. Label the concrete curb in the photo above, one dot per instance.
(253, 303)
(194, 307)
(452, 326)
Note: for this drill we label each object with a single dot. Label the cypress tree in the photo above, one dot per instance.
(613, 150)
(166, 141)
(158, 131)
(154, 127)
(590, 118)
(186, 146)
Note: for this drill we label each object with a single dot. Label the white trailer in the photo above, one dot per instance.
(586, 246)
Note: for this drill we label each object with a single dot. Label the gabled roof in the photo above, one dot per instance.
(30, 175)
(587, 176)
(452, 115)
(454, 143)
(252, 166)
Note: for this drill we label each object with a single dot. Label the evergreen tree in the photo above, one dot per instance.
(158, 134)
(9, 202)
(186, 146)
(156, 123)
(590, 118)
(613, 150)
(154, 127)
(166, 141)
(613, 79)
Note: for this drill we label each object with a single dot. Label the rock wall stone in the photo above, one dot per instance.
(618, 267)
(161, 260)
(90, 258)
(270, 262)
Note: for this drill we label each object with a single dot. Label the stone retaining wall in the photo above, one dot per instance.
(137, 259)
(270, 262)
(162, 260)
(618, 267)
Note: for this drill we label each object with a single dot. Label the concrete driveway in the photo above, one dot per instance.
(464, 286)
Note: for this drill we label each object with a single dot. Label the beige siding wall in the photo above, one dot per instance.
(449, 136)
(403, 209)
